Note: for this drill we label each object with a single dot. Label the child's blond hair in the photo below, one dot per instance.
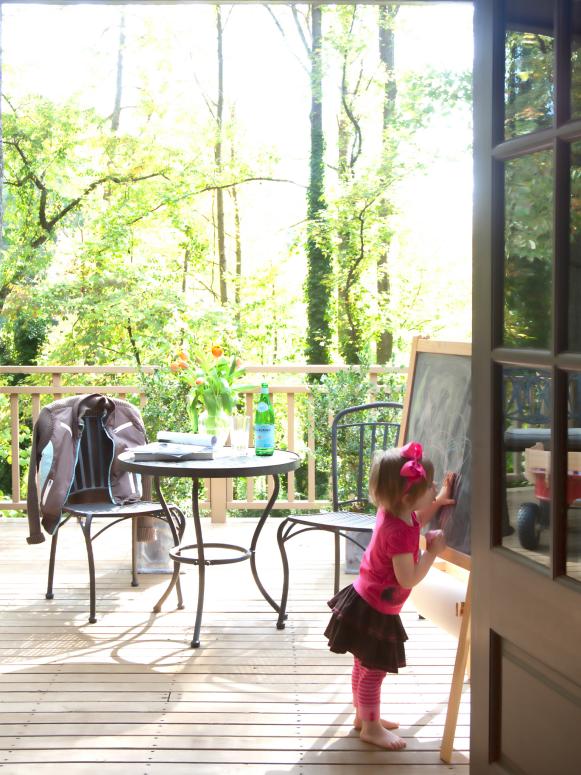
(386, 484)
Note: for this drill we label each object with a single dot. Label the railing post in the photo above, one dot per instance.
(218, 497)
(56, 383)
(15, 447)
(311, 472)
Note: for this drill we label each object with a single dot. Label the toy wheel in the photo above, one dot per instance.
(528, 525)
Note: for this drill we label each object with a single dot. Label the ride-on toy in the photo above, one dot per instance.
(532, 518)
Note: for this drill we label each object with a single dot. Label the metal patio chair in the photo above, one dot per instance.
(89, 499)
(356, 434)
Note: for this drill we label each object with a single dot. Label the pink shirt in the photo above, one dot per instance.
(377, 583)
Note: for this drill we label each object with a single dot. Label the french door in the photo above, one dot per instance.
(526, 549)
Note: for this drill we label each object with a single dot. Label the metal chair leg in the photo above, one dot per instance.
(181, 519)
(177, 531)
(49, 592)
(285, 569)
(134, 579)
(86, 528)
(177, 534)
(337, 560)
(201, 564)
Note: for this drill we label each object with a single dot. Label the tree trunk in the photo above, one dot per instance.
(116, 115)
(387, 14)
(218, 160)
(319, 284)
(238, 241)
(348, 331)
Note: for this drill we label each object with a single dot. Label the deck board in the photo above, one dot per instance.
(128, 695)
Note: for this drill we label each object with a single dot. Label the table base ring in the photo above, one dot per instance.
(176, 554)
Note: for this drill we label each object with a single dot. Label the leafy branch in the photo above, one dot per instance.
(47, 223)
(205, 189)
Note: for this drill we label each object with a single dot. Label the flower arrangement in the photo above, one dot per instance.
(213, 380)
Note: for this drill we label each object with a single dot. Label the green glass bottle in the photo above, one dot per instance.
(264, 424)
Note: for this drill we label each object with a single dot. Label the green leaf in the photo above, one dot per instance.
(210, 402)
(227, 404)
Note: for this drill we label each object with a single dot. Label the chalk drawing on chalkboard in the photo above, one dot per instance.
(437, 413)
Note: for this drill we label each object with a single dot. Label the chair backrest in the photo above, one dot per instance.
(357, 433)
(91, 483)
(528, 398)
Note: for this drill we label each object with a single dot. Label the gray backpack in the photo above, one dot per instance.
(107, 427)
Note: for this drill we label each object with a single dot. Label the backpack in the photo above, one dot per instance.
(56, 445)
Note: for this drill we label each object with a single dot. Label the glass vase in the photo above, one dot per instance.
(216, 424)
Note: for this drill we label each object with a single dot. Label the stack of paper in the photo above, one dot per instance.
(161, 450)
(197, 439)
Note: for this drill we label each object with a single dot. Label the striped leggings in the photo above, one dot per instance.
(366, 685)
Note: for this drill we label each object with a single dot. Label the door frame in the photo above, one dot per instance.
(544, 600)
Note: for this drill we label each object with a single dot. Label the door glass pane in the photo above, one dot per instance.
(526, 513)
(574, 338)
(528, 250)
(528, 70)
(576, 61)
(573, 498)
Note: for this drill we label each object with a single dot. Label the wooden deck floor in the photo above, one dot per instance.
(128, 696)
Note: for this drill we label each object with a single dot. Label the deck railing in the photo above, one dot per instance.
(219, 492)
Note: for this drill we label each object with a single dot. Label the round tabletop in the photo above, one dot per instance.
(223, 465)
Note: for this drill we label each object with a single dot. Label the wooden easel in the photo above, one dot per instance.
(450, 555)
(462, 659)
(460, 664)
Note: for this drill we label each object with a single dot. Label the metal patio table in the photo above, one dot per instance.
(224, 465)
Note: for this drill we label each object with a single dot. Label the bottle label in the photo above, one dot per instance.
(264, 436)
(262, 406)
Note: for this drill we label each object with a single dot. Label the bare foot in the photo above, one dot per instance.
(378, 735)
(385, 724)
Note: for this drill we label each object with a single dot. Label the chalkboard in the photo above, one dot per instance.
(437, 414)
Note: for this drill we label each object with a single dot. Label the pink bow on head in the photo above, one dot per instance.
(413, 470)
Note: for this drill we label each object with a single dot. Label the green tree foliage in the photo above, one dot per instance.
(528, 250)
(111, 251)
(378, 124)
(529, 99)
(58, 167)
(529, 202)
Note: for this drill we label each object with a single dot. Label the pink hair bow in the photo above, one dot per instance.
(412, 470)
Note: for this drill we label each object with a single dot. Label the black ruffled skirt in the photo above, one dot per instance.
(376, 639)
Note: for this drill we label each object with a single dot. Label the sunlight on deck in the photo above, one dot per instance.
(128, 695)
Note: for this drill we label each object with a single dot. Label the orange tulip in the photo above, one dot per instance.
(182, 364)
(199, 381)
(174, 367)
(183, 356)
(217, 351)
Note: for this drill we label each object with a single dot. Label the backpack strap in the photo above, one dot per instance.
(36, 536)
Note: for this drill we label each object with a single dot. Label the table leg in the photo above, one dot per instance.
(256, 536)
(201, 562)
(177, 534)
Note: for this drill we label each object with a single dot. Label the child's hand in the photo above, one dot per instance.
(435, 541)
(443, 497)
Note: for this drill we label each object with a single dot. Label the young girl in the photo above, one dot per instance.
(365, 618)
